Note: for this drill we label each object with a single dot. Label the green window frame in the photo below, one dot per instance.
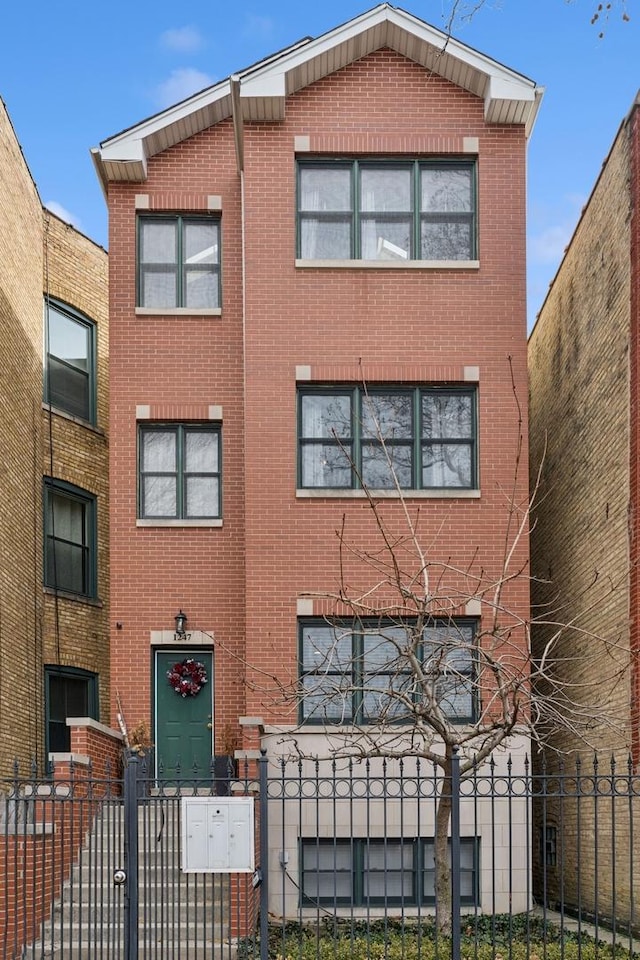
(367, 872)
(70, 539)
(423, 437)
(179, 471)
(179, 262)
(69, 692)
(70, 361)
(548, 840)
(356, 672)
(386, 209)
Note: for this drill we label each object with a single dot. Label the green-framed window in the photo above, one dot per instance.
(352, 209)
(356, 872)
(180, 472)
(70, 368)
(359, 672)
(178, 262)
(425, 438)
(548, 839)
(69, 692)
(70, 541)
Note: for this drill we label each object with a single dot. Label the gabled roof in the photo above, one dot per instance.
(259, 92)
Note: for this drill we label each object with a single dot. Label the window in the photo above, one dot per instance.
(69, 692)
(179, 262)
(386, 210)
(70, 382)
(179, 471)
(70, 538)
(549, 846)
(360, 672)
(425, 437)
(371, 872)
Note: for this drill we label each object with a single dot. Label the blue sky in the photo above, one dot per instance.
(72, 74)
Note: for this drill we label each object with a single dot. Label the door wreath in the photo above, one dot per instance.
(187, 678)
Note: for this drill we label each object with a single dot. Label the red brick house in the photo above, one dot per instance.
(344, 218)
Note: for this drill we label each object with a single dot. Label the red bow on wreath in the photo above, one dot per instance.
(187, 678)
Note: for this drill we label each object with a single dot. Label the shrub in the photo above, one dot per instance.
(519, 937)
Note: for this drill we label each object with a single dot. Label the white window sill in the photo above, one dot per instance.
(391, 264)
(166, 522)
(177, 312)
(453, 493)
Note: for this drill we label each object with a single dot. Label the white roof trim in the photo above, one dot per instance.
(384, 13)
(260, 91)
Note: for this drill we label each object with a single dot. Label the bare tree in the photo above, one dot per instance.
(461, 11)
(402, 669)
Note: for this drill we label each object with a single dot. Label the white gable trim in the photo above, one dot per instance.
(260, 92)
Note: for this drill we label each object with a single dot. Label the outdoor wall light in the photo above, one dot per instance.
(181, 619)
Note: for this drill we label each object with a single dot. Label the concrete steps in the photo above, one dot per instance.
(180, 915)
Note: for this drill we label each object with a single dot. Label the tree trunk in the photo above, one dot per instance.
(441, 855)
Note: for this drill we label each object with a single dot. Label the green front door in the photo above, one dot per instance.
(183, 725)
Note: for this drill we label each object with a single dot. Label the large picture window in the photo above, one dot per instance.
(379, 872)
(178, 262)
(179, 471)
(360, 672)
(70, 538)
(387, 210)
(422, 438)
(69, 382)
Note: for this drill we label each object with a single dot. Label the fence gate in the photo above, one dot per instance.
(91, 871)
(61, 841)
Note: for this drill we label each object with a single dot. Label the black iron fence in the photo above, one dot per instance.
(91, 867)
(59, 842)
(539, 858)
(349, 862)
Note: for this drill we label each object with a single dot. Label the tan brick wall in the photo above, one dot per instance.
(20, 437)
(579, 439)
(579, 407)
(77, 631)
(634, 446)
(404, 325)
(38, 251)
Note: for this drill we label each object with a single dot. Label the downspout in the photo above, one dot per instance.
(238, 122)
(238, 135)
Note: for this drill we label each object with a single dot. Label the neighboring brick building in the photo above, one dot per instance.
(348, 211)
(585, 443)
(54, 580)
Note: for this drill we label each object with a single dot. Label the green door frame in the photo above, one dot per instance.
(197, 712)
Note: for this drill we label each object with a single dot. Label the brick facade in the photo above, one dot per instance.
(634, 415)
(583, 367)
(580, 433)
(244, 579)
(76, 631)
(20, 399)
(285, 324)
(40, 255)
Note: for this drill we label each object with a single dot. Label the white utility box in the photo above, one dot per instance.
(217, 835)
